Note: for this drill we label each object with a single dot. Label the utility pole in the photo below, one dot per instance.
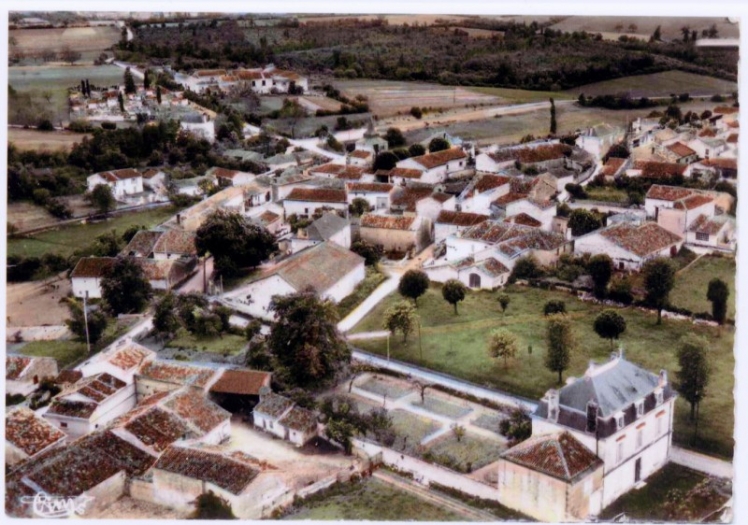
(420, 341)
(85, 322)
(205, 274)
(388, 347)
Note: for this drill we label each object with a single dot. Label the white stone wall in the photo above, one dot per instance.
(305, 208)
(87, 285)
(261, 293)
(270, 425)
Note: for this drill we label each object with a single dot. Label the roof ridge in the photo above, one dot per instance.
(561, 454)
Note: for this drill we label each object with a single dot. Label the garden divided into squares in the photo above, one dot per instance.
(410, 430)
(470, 453)
(385, 387)
(441, 407)
(489, 421)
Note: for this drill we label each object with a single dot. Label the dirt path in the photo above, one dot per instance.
(469, 513)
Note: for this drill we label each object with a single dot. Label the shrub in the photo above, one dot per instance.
(416, 112)
(109, 125)
(45, 125)
(554, 306)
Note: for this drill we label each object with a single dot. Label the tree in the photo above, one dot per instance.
(132, 231)
(121, 101)
(394, 138)
(341, 432)
(686, 32)
(416, 112)
(234, 242)
(210, 506)
(582, 221)
(717, 294)
(504, 301)
(147, 79)
(158, 95)
(657, 35)
(400, 317)
(659, 279)
(693, 376)
(453, 292)
(526, 267)
(305, 338)
(502, 344)
(633, 28)
(517, 427)
(102, 198)
(369, 252)
(125, 287)
(561, 343)
(422, 386)
(165, 319)
(554, 306)
(438, 144)
(97, 322)
(609, 324)
(67, 54)
(620, 291)
(553, 118)
(600, 268)
(416, 150)
(458, 431)
(130, 88)
(413, 284)
(712, 32)
(385, 161)
(359, 206)
(618, 151)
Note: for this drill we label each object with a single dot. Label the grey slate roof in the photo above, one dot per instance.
(326, 226)
(612, 389)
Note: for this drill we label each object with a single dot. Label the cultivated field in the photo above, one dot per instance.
(659, 85)
(670, 26)
(37, 303)
(31, 139)
(89, 41)
(457, 345)
(388, 97)
(395, 20)
(28, 216)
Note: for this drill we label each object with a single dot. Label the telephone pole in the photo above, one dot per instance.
(85, 322)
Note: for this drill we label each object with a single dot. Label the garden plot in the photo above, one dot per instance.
(385, 387)
(410, 430)
(489, 421)
(442, 407)
(470, 453)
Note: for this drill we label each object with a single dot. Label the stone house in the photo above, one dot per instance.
(28, 435)
(713, 232)
(175, 244)
(330, 227)
(486, 190)
(436, 167)
(395, 233)
(280, 416)
(481, 272)
(122, 182)
(303, 202)
(377, 194)
(230, 177)
(24, 373)
(450, 222)
(87, 275)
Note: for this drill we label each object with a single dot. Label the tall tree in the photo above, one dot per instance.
(394, 138)
(158, 95)
(659, 279)
(582, 221)
(502, 344)
(453, 292)
(657, 35)
(129, 82)
(97, 322)
(165, 318)
(121, 101)
(400, 317)
(553, 117)
(693, 376)
(601, 270)
(609, 324)
(438, 144)
(305, 338)
(413, 284)
(102, 198)
(210, 506)
(504, 301)
(234, 242)
(125, 288)
(147, 79)
(718, 294)
(561, 343)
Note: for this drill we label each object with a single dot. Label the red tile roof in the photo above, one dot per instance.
(317, 195)
(360, 154)
(68, 376)
(509, 198)
(15, 365)
(726, 110)
(732, 138)
(440, 158)
(89, 267)
(693, 202)
(127, 173)
(29, 432)
(197, 410)
(441, 197)
(523, 218)
(74, 409)
(489, 182)
(405, 173)
(300, 419)
(158, 428)
(341, 171)
(142, 243)
(705, 224)
(640, 240)
(408, 197)
(369, 187)
(492, 267)
(176, 373)
(273, 405)
(223, 173)
(242, 382)
(319, 267)
(659, 169)
(129, 356)
(387, 222)
(178, 242)
(681, 150)
(528, 155)
(222, 471)
(730, 164)
(557, 455)
(459, 218)
(612, 166)
(667, 193)
(708, 132)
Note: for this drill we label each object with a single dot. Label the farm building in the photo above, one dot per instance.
(479, 272)
(122, 182)
(332, 271)
(437, 166)
(87, 275)
(238, 390)
(304, 202)
(449, 222)
(630, 245)
(376, 194)
(395, 233)
(280, 416)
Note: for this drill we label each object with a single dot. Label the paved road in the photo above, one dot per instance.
(702, 463)
(438, 499)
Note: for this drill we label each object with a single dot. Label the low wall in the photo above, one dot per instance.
(424, 472)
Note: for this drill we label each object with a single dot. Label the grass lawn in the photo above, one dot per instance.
(410, 430)
(65, 240)
(456, 345)
(228, 344)
(470, 453)
(364, 289)
(489, 422)
(647, 503)
(442, 408)
(377, 385)
(691, 285)
(371, 500)
(65, 352)
(607, 194)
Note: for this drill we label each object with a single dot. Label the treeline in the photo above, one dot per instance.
(527, 56)
(618, 102)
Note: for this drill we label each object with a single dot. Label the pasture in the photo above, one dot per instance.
(659, 85)
(670, 27)
(31, 139)
(692, 283)
(89, 41)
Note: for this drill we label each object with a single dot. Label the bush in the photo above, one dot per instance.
(80, 126)
(554, 306)
(416, 112)
(109, 125)
(45, 125)
(620, 291)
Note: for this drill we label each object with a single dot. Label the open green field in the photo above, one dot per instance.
(65, 240)
(646, 504)
(658, 85)
(456, 345)
(692, 283)
(227, 344)
(372, 500)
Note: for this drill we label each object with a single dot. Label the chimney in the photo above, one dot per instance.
(179, 218)
(591, 416)
(662, 380)
(553, 407)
